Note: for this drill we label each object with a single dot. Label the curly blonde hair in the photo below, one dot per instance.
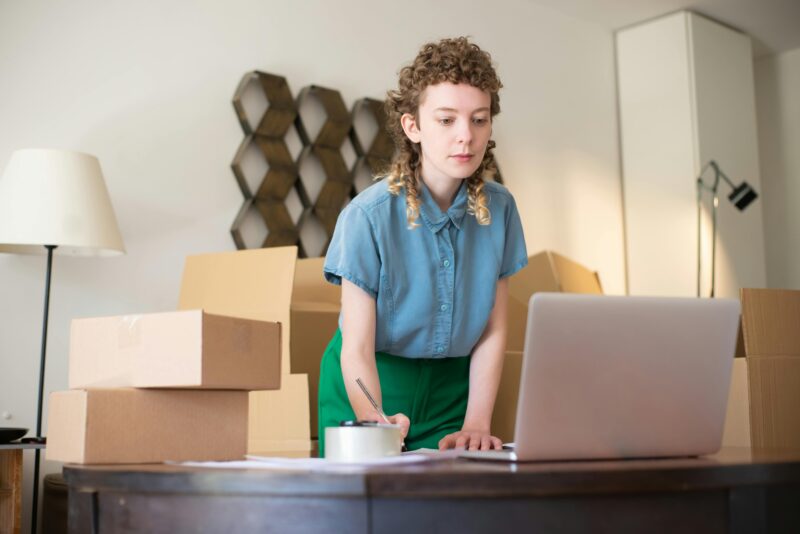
(450, 60)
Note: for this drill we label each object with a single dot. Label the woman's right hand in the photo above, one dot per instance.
(402, 420)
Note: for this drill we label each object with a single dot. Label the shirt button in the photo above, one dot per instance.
(446, 263)
(443, 307)
(439, 349)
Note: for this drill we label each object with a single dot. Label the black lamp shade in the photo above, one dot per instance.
(743, 195)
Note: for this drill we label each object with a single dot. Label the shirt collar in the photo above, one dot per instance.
(432, 215)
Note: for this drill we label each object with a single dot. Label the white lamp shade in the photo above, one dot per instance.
(56, 197)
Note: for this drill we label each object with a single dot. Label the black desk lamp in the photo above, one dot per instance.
(741, 197)
(54, 200)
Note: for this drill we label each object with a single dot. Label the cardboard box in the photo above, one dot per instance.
(546, 271)
(271, 284)
(505, 407)
(764, 401)
(182, 349)
(126, 425)
(315, 317)
(278, 420)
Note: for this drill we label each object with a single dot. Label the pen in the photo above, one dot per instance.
(377, 408)
(371, 400)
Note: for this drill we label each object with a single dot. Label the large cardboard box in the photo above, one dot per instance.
(271, 284)
(505, 407)
(546, 271)
(764, 401)
(126, 425)
(314, 317)
(181, 349)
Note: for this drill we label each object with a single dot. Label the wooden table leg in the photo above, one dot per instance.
(10, 491)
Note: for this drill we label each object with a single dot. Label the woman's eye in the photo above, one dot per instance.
(480, 120)
(446, 121)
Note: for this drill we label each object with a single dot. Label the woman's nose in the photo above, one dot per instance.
(465, 134)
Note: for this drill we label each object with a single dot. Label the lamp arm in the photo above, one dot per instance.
(701, 184)
(727, 180)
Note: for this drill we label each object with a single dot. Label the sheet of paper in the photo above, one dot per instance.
(322, 464)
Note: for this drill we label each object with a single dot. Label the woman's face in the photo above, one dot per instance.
(453, 126)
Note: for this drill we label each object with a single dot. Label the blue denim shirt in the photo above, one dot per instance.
(434, 285)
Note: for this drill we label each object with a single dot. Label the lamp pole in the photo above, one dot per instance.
(39, 190)
(35, 502)
(741, 197)
(700, 186)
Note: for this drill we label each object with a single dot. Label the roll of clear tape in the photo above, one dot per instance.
(362, 442)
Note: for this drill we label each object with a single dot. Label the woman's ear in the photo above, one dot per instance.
(410, 127)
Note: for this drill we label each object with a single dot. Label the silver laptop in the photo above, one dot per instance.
(622, 377)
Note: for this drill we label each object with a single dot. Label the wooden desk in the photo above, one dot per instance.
(737, 490)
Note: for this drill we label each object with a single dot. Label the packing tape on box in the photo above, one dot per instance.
(355, 441)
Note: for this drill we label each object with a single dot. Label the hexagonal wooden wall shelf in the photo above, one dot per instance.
(330, 124)
(263, 223)
(263, 165)
(264, 104)
(370, 136)
(325, 124)
(372, 142)
(264, 168)
(301, 161)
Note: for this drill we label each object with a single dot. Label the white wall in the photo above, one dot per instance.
(147, 88)
(778, 103)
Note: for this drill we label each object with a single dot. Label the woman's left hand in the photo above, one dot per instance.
(474, 440)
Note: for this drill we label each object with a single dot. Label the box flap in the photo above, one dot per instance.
(317, 322)
(310, 284)
(771, 320)
(737, 416)
(253, 284)
(574, 277)
(546, 271)
(538, 275)
(774, 401)
(278, 420)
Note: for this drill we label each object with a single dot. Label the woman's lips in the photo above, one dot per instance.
(462, 158)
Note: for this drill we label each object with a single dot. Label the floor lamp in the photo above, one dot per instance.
(742, 195)
(54, 201)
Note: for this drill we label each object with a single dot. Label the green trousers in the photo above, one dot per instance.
(432, 392)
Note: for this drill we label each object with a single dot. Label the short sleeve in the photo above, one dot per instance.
(515, 255)
(353, 252)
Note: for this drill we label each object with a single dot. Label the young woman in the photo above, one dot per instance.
(422, 257)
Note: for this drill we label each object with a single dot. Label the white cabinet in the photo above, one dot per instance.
(686, 96)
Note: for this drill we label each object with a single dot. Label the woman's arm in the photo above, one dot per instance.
(484, 378)
(358, 353)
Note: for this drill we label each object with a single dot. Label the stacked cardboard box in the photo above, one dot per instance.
(546, 271)
(158, 387)
(271, 284)
(764, 400)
